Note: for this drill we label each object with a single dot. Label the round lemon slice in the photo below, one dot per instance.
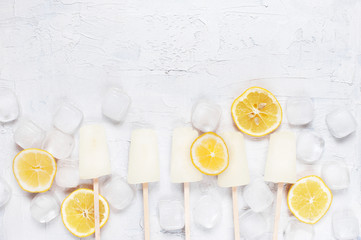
(309, 199)
(34, 170)
(256, 112)
(209, 154)
(77, 212)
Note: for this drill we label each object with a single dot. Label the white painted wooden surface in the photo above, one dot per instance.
(167, 54)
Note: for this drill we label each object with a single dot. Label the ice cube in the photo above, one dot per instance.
(118, 192)
(171, 215)
(44, 207)
(299, 110)
(252, 225)
(206, 116)
(336, 175)
(207, 212)
(258, 195)
(345, 225)
(115, 104)
(68, 118)
(67, 174)
(5, 192)
(29, 135)
(297, 230)
(341, 123)
(59, 144)
(310, 146)
(9, 106)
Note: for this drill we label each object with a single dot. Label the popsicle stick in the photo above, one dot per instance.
(96, 208)
(186, 211)
(235, 213)
(278, 210)
(146, 211)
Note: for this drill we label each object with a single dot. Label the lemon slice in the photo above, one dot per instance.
(34, 170)
(77, 212)
(209, 154)
(256, 112)
(309, 199)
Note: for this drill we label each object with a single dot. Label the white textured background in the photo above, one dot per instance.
(166, 54)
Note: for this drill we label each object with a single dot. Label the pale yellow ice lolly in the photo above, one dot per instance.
(182, 169)
(237, 173)
(143, 165)
(94, 158)
(281, 158)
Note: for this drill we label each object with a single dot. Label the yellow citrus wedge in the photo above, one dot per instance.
(256, 112)
(34, 170)
(309, 199)
(77, 212)
(209, 154)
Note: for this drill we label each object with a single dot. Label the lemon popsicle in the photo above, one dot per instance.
(182, 170)
(237, 173)
(143, 166)
(94, 158)
(281, 166)
(94, 162)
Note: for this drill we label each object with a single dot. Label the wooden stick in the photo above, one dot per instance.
(186, 211)
(278, 210)
(235, 213)
(146, 212)
(96, 208)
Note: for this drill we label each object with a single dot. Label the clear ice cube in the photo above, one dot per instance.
(67, 174)
(68, 118)
(118, 192)
(207, 212)
(299, 110)
(44, 207)
(9, 106)
(341, 123)
(5, 192)
(252, 225)
(171, 215)
(206, 116)
(345, 225)
(29, 135)
(297, 230)
(336, 175)
(59, 144)
(116, 104)
(310, 146)
(258, 195)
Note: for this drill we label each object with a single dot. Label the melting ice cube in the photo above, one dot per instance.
(9, 106)
(59, 144)
(67, 174)
(207, 212)
(258, 195)
(252, 225)
(310, 146)
(299, 110)
(5, 192)
(115, 104)
(44, 207)
(335, 174)
(29, 135)
(206, 116)
(341, 123)
(118, 192)
(297, 230)
(68, 118)
(345, 225)
(171, 215)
